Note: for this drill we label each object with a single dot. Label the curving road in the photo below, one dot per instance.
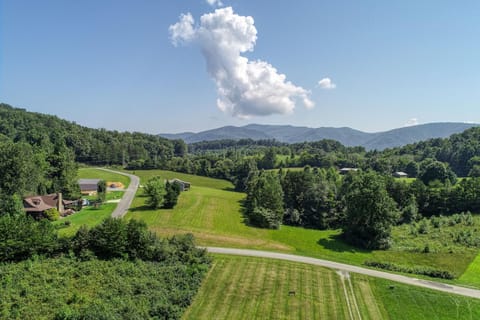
(349, 268)
(128, 196)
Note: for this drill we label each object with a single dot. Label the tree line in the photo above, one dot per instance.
(364, 204)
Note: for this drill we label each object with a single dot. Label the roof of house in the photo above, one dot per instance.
(40, 203)
(400, 173)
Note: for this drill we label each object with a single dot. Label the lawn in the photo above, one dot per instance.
(213, 214)
(88, 215)
(254, 288)
(93, 173)
(472, 274)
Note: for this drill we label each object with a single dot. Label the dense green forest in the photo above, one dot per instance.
(115, 270)
(91, 146)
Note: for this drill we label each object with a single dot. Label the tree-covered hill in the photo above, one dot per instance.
(347, 136)
(91, 146)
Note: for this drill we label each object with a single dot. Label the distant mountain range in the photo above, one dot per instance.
(347, 136)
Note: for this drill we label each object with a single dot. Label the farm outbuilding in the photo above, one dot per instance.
(88, 186)
(184, 185)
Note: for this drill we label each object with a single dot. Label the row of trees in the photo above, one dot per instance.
(364, 204)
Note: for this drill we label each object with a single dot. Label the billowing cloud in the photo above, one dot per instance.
(245, 88)
(327, 84)
(215, 3)
(411, 122)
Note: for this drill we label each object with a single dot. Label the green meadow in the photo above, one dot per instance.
(255, 288)
(213, 213)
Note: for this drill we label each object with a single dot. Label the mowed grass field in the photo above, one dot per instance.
(92, 173)
(254, 288)
(212, 212)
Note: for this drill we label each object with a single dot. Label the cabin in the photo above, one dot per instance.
(400, 174)
(184, 185)
(88, 187)
(347, 170)
(37, 205)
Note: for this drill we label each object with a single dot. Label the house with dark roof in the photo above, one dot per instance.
(37, 205)
(88, 186)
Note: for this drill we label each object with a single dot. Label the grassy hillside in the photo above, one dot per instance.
(213, 214)
(253, 288)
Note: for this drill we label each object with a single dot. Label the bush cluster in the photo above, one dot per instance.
(430, 272)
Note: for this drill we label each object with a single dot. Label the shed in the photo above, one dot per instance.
(184, 185)
(88, 186)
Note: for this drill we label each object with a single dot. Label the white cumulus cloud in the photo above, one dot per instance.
(326, 83)
(411, 122)
(215, 3)
(245, 88)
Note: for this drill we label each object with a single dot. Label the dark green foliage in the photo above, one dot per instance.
(117, 238)
(20, 169)
(11, 205)
(371, 212)
(109, 239)
(264, 203)
(439, 171)
(65, 288)
(91, 146)
(22, 237)
(154, 189)
(268, 159)
(52, 214)
(430, 272)
(313, 196)
(102, 190)
(171, 196)
(410, 211)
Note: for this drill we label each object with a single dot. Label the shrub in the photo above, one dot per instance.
(423, 226)
(52, 214)
(430, 272)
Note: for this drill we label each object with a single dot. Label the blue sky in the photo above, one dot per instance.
(113, 64)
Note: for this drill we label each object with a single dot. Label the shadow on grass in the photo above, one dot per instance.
(140, 208)
(337, 244)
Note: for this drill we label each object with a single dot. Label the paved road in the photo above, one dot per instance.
(349, 268)
(128, 196)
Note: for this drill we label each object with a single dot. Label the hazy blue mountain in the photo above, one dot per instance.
(346, 136)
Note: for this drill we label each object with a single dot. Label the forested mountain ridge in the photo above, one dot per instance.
(91, 146)
(347, 136)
